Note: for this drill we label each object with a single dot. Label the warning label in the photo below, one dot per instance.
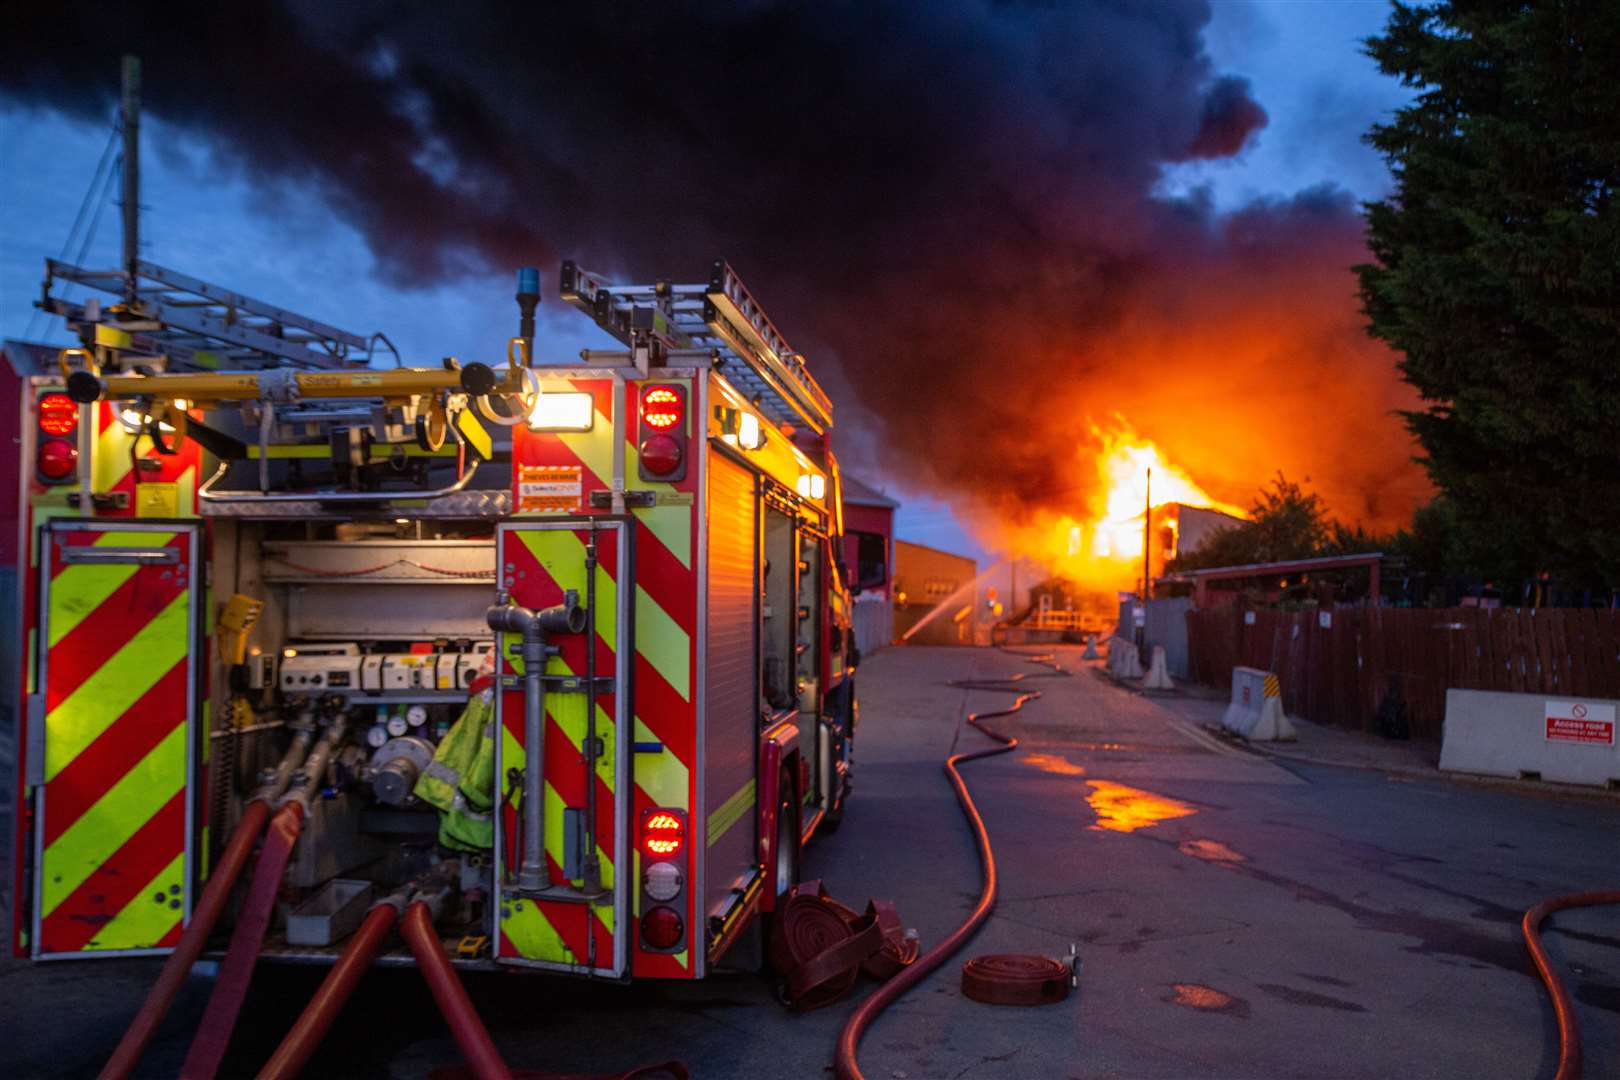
(549, 488)
(1579, 722)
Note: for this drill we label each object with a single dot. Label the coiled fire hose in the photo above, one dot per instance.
(844, 1059)
(1569, 1032)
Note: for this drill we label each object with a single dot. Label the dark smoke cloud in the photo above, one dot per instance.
(1229, 118)
(948, 206)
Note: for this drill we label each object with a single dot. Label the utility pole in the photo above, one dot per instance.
(132, 175)
(1147, 535)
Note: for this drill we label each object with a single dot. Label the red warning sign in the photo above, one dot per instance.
(1580, 722)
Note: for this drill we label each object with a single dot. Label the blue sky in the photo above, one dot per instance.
(282, 244)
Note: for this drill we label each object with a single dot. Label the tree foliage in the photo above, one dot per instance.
(1496, 276)
(1285, 522)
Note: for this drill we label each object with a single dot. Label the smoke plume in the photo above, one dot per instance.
(949, 207)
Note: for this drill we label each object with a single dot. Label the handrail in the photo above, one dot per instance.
(206, 492)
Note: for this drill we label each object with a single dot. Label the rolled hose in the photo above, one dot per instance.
(178, 965)
(1569, 1032)
(323, 1009)
(844, 1061)
(416, 927)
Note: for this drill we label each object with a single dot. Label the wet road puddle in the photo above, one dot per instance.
(1210, 851)
(1051, 763)
(1206, 999)
(1126, 809)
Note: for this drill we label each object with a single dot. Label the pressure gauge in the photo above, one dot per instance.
(376, 735)
(416, 715)
(397, 725)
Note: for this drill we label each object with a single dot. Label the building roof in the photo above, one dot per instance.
(858, 493)
(898, 544)
(29, 358)
(1290, 566)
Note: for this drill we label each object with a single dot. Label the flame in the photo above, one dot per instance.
(1100, 545)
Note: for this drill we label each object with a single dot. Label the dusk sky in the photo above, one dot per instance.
(281, 239)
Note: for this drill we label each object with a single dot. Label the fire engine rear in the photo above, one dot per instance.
(563, 648)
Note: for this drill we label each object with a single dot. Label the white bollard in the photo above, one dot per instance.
(1158, 676)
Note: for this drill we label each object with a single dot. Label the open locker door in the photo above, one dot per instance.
(111, 738)
(575, 924)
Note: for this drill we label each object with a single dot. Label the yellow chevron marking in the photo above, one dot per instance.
(532, 935)
(594, 448)
(666, 646)
(101, 699)
(83, 587)
(144, 921)
(112, 456)
(730, 812)
(662, 776)
(118, 815)
(672, 525)
(561, 554)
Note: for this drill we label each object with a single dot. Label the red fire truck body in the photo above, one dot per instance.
(631, 562)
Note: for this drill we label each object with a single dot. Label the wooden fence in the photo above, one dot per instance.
(1339, 673)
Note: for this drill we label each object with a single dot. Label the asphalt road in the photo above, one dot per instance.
(1237, 917)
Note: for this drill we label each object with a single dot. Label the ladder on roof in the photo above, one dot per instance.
(719, 315)
(197, 325)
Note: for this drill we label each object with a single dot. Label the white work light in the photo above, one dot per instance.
(562, 412)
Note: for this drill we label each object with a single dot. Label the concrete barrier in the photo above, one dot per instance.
(1123, 660)
(1568, 739)
(1158, 676)
(1256, 710)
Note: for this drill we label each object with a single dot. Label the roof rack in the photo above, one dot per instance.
(720, 315)
(200, 326)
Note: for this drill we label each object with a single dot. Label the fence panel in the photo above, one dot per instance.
(1340, 674)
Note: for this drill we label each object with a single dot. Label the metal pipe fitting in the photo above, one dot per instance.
(565, 618)
(307, 780)
(276, 783)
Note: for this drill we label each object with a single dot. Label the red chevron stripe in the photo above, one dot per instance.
(85, 779)
(670, 584)
(116, 883)
(102, 634)
(667, 715)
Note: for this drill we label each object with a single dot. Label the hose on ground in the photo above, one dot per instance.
(323, 1008)
(230, 989)
(485, 1061)
(845, 1064)
(178, 965)
(1569, 1032)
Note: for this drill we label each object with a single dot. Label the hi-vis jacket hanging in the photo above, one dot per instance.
(460, 781)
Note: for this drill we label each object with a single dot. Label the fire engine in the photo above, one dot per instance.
(568, 641)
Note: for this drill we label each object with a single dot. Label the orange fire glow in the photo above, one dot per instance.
(1100, 545)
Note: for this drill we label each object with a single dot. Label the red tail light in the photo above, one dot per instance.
(662, 928)
(662, 407)
(662, 834)
(662, 440)
(58, 414)
(58, 460)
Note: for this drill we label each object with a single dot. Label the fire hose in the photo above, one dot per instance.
(844, 1062)
(318, 1016)
(225, 1003)
(205, 915)
(1569, 1032)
